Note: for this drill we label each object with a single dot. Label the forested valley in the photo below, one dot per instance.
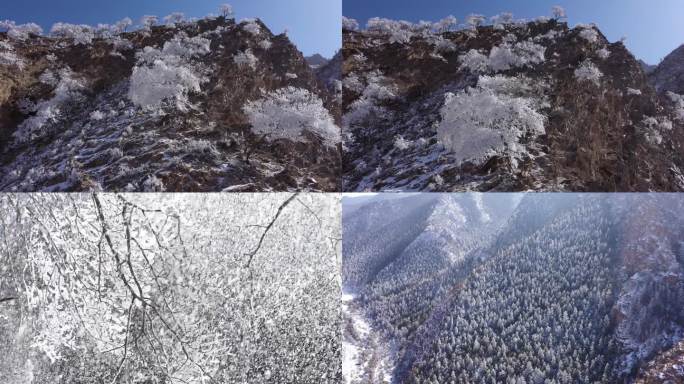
(511, 288)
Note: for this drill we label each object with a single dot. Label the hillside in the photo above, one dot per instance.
(493, 288)
(205, 105)
(511, 106)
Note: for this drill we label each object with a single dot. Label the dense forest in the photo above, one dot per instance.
(559, 288)
(159, 288)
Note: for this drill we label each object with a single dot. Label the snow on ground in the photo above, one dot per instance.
(361, 346)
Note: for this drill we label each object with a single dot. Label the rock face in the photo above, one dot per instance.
(563, 287)
(519, 106)
(669, 74)
(164, 109)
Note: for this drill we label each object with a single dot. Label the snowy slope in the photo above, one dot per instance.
(507, 107)
(208, 105)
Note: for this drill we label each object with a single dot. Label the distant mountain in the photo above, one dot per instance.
(208, 105)
(488, 288)
(316, 60)
(669, 74)
(506, 107)
(648, 68)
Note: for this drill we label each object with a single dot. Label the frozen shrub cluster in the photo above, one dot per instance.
(587, 71)
(49, 111)
(265, 44)
(475, 20)
(251, 26)
(287, 113)
(9, 57)
(174, 18)
(504, 57)
(653, 128)
(603, 53)
(398, 31)
(350, 24)
(246, 59)
(97, 116)
(678, 101)
(632, 91)
(168, 74)
(22, 31)
(401, 144)
(148, 21)
(489, 118)
(501, 20)
(588, 33)
(81, 34)
(368, 105)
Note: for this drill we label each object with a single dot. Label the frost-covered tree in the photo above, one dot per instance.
(21, 31)
(123, 24)
(148, 21)
(475, 20)
(226, 10)
(174, 18)
(79, 33)
(446, 24)
(160, 288)
(349, 24)
(558, 12)
(290, 113)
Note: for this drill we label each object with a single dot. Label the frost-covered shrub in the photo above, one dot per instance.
(398, 31)
(401, 144)
(287, 113)
(368, 105)
(678, 101)
(489, 119)
(603, 53)
(9, 57)
(522, 54)
(81, 34)
(265, 44)
(558, 12)
(475, 61)
(501, 20)
(226, 10)
(632, 91)
(246, 59)
(153, 184)
(22, 31)
(123, 24)
(169, 74)
(504, 57)
(201, 146)
(97, 116)
(251, 26)
(448, 23)
(349, 24)
(475, 20)
(174, 18)
(588, 32)
(148, 21)
(653, 128)
(49, 111)
(587, 71)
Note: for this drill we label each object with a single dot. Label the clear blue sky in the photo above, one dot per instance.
(653, 28)
(313, 25)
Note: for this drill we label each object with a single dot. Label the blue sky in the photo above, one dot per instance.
(653, 28)
(313, 25)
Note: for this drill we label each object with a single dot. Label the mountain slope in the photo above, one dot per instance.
(669, 74)
(548, 108)
(194, 106)
(571, 288)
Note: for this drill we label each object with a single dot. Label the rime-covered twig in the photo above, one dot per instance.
(268, 227)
